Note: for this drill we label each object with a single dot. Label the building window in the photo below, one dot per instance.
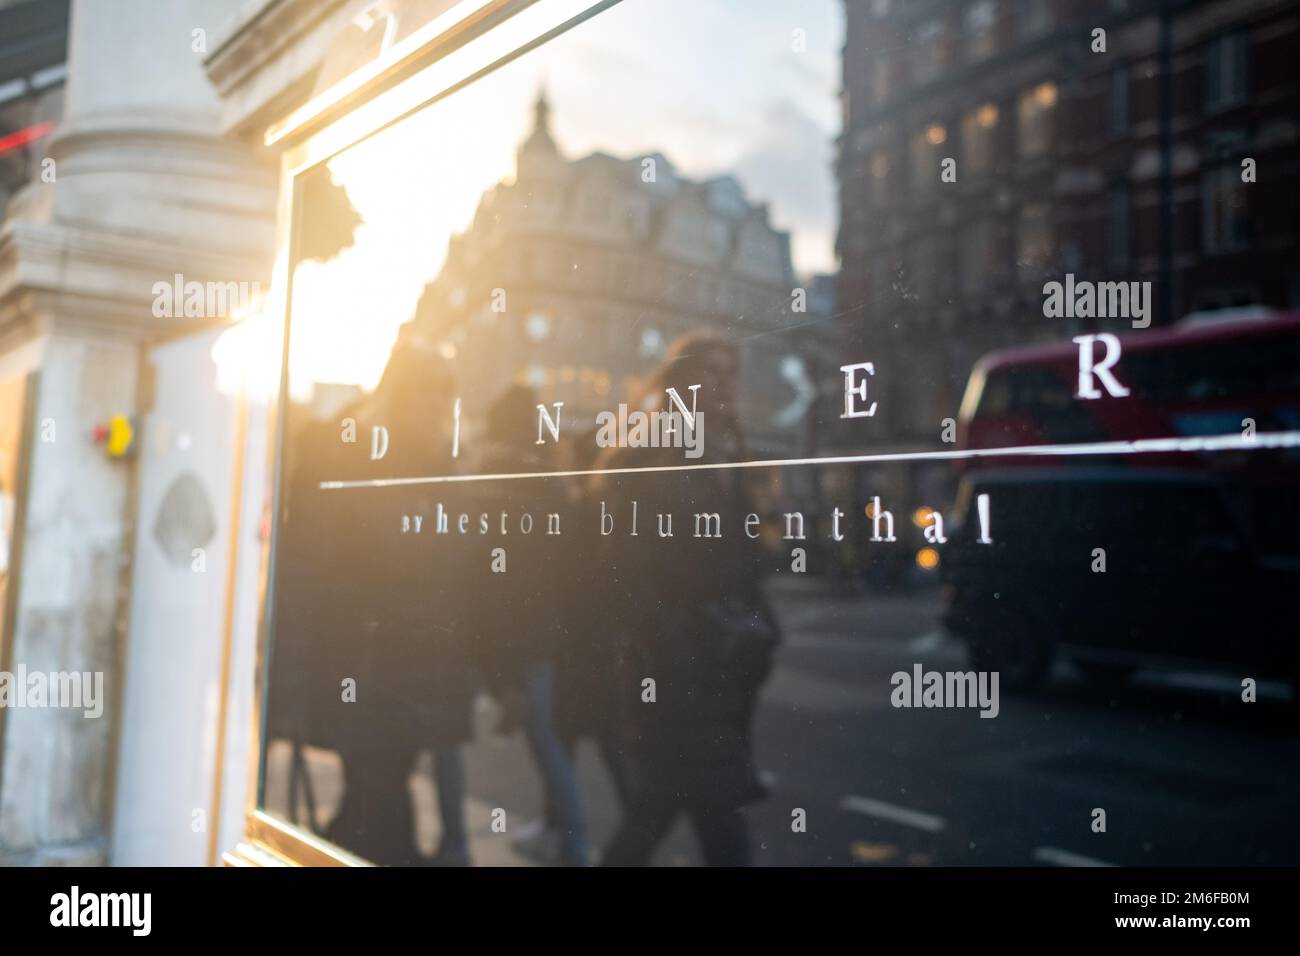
(881, 71)
(1035, 109)
(882, 279)
(1117, 118)
(1225, 70)
(978, 255)
(979, 26)
(1033, 17)
(1071, 252)
(929, 49)
(879, 176)
(942, 271)
(1119, 227)
(880, 164)
(1034, 240)
(926, 150)
(923, 264)
(978, 129)
(1224, 225)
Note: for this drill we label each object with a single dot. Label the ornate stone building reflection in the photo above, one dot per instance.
(577, 276)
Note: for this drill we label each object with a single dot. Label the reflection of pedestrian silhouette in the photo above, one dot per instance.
(416, 600)
(688, 615)
(387, 607)
(525, 610)
(587, 697)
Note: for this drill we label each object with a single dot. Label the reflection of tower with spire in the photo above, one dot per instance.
(575, 277)
(538, 155)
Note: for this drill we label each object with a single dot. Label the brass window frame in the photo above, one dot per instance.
(469, 40)
(31, 381)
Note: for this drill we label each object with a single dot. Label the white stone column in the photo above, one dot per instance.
(145, 188)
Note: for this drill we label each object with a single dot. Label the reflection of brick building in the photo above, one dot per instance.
(601, 263)
(1061, 158)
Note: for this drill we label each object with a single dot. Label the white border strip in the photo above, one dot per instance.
(1144, 446)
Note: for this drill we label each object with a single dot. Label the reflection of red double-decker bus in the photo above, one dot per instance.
(1120, 560)
(1201, 379)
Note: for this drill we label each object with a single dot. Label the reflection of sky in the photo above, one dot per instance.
(717, 87)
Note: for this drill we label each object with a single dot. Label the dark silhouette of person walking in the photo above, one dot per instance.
(686, 612)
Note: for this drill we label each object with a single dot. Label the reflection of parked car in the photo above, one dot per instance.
(1201, 551)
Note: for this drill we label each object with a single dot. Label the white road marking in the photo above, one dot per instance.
(894, 814)
(1059, 857)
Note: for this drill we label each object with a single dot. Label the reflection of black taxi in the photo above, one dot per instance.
(1119, 561)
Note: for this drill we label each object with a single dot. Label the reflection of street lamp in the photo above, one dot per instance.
(652, 343)
(538, 326)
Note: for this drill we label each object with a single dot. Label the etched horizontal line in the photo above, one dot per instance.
(1142, 446)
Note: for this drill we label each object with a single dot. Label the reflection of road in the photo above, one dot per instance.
(1187, 774)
